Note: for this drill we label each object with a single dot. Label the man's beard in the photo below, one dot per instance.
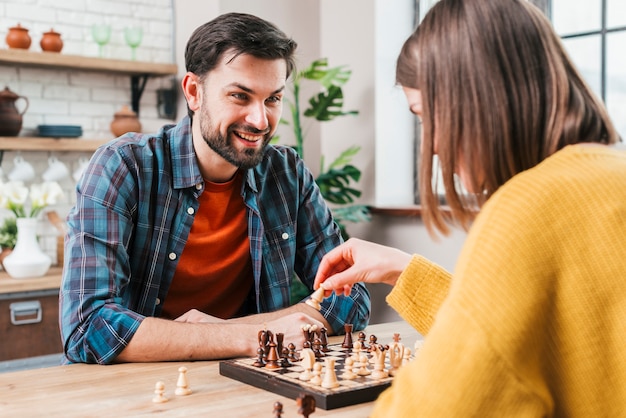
(222, 145)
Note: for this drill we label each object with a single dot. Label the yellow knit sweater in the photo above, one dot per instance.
(533, 324)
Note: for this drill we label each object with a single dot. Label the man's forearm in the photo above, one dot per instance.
(163, 340)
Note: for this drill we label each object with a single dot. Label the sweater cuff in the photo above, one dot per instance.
(419, 292)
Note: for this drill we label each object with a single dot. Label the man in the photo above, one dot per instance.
(184, 244)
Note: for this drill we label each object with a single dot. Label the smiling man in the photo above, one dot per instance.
(184, 243)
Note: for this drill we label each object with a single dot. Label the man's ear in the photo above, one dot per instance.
(191, 89)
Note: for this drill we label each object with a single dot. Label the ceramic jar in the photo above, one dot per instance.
(10, 117)
(51, 41)
(125, 120)
(18, 37)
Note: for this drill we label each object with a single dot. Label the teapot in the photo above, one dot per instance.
(18, 37)
(10, 117)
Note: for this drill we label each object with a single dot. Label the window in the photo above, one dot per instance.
(594, 35)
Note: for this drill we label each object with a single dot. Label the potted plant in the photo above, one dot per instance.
(335, 180)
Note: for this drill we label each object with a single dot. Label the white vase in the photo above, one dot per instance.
(27, 259)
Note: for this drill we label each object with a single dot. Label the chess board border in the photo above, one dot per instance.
(327, 399)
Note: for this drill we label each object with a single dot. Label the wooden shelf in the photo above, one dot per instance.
(25, 143)
(59, 60)
(139, 72)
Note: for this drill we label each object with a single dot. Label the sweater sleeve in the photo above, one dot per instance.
(419, 292)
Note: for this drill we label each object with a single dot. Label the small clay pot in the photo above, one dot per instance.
(125, 120)
(18, 37)
(51, 41)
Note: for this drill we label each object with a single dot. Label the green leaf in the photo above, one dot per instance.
(327, 105)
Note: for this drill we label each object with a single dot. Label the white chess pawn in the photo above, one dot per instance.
(182, 387)
(159, 390)
(317, 374)
(363, 366)
(348, 374)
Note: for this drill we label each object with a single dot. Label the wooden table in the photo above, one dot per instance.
(126, 390)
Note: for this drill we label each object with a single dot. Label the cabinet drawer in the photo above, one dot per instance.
(29, 324)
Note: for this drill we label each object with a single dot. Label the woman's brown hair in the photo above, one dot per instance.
(499, 94)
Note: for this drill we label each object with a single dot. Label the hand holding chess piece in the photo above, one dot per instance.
(316, 299)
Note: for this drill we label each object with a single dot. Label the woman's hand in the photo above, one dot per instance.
(359, 261)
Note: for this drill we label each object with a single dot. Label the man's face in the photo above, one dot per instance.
(241, 105)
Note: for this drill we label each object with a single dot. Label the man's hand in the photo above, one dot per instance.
(195, 316)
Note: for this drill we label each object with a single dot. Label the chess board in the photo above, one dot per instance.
(285, 381)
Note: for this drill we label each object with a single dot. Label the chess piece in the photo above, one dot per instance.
(317, 374)
(324, 340)
(373, 341)
(347, 339)
(159, 390)
(259, 361)
(306, 405)
(356, 352)
(361, 338)
(284, 358)
(271, 362)
(316, 299)
(279, 342)
(348, 374)
(363, 362)
(278, 409)
(379, 363)
(308, 360)
(182, 387)
(396, 355)
(317, 348)
(330, 377)
(293, 355)
(406, 357)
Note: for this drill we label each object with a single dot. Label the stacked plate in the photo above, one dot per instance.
(60, 131)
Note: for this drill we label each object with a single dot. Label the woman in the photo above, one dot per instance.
(533, 321)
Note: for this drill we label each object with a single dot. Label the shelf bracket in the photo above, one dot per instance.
(137, 84)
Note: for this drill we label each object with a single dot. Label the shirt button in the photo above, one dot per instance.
(190, 211)
(172, 256)
(285, 235)
(158, 301)
(198, 186)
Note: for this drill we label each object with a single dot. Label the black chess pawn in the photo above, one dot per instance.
(306, 405)
(284, 358)
(278, 409)
(373, 340)
(317, 348)
(361, 339)
(259, 361)
(293, 355)
(347, 339)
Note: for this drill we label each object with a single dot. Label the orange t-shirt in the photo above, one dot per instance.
(214, 273)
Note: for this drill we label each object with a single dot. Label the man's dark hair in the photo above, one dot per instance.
(239, 33)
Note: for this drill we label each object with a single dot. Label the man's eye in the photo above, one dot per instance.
(240, 96)
(275, 99)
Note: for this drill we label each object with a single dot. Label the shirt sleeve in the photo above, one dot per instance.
(318, 234)
(95, 326)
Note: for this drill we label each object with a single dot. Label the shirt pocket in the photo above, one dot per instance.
(279, 247)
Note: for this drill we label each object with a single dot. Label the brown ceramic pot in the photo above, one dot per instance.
(10, 117)
(51, 41)
(18, 37)
(125, 120)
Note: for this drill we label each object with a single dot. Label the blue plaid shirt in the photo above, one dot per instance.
(134, 210)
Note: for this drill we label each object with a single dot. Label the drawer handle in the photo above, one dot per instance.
(23, 313)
